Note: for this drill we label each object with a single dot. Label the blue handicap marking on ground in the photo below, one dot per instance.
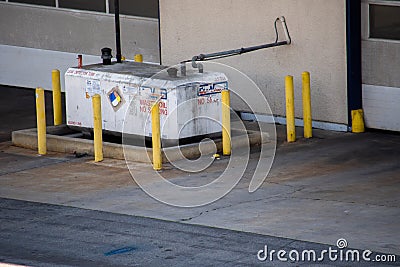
(119, 251)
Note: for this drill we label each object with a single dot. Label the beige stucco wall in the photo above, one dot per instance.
(76, 31)
(317, 29)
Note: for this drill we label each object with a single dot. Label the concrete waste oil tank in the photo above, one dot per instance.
(189, 101)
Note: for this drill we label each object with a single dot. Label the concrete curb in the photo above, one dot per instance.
(57, 143)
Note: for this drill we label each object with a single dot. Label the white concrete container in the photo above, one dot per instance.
(190, 105)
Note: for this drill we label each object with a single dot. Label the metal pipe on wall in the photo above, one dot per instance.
(117, 31)
(107, 6)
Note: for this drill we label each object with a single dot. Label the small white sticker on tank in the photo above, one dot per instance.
(92, 87)
(130, 90)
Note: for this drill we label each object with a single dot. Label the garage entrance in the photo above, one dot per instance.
(380, 25)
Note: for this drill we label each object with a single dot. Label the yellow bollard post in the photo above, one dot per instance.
(97, 128)
(56, 87)
(41, 121)
(226, 123)
(307, 117)
(138, 58)
(357, 118)
(290, 123)
(156, 136)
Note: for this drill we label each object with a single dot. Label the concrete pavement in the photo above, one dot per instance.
(49, 235)
(344, 186)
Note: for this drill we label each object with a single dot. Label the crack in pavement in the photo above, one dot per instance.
(241, 202)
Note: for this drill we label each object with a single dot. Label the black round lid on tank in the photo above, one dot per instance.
(106, 55)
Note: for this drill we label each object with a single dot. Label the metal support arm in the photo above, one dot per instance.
(228, 53)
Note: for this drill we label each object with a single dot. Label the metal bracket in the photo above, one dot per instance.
(229, 53)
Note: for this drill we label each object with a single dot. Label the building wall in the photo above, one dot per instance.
(317, 28)
(69, 32)
(76, 31)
